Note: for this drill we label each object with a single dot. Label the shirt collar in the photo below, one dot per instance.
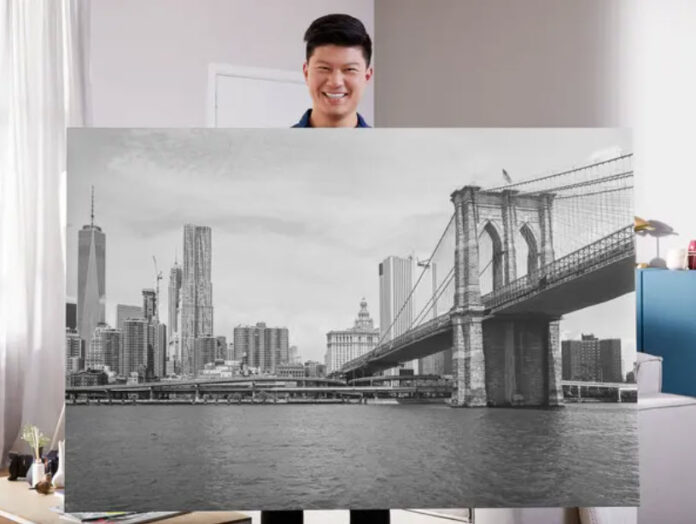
(304, 121)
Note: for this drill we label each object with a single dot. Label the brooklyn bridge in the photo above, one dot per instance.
(509, 263)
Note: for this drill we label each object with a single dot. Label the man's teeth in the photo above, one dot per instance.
(335, 95)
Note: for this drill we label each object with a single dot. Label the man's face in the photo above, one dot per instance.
(336, 77)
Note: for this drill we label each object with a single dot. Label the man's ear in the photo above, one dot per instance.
(305, 70)
(368, 74)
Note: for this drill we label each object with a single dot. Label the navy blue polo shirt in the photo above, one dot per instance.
(304, 121)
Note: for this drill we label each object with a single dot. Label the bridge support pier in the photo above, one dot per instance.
(469, 362)
(554, 365)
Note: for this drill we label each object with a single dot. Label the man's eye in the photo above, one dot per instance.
(323, 68)
(352, 70)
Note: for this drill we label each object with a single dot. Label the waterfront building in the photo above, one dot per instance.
(290, 370)
(395, 308)
(89, 377)
(345, 345)
(314, 369)
(205, 351)
(135, 339)
(196, 293)
(111, 347)
(91, 278)
(592, 359)
(261, 346)
(610, 360)
(221, 349)
(74, 359)
(95, 349)
(220, 369)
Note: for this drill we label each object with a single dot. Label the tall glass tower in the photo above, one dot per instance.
(91, 289)
(174, 325)
(395, 304)
(196, 293)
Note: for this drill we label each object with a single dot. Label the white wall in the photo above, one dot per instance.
(149, 59)
(658, 86)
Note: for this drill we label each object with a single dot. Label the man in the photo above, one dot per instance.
(337, 71)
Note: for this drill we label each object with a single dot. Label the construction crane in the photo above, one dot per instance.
(158, 277)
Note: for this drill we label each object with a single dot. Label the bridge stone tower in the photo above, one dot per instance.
(468, 359)
(502, 360)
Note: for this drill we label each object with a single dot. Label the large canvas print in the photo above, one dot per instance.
(322, 319)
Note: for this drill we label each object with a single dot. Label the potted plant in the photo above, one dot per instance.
(36, 440)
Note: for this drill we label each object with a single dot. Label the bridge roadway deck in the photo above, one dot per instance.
(592, 275)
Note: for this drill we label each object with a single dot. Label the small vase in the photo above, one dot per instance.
(59, 477)
(37, 472)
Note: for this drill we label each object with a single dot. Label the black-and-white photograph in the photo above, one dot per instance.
(396, 318)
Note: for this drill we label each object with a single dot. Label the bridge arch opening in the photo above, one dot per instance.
(527, 251)
(490, 259)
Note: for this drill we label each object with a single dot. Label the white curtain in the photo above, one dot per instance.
(42, 90)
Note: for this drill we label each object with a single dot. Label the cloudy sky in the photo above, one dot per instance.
(301, 218)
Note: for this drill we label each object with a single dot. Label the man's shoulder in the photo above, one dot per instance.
(361, 121)
(305, 120)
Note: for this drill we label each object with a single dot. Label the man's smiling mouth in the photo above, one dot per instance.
(334, 96)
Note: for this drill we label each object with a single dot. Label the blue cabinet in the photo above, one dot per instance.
(666, 322)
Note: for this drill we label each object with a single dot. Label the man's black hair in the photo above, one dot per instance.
(337, 29)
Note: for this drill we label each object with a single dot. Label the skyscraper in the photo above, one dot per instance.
(124, 312)
(104, 348)
(261, 347)
(91, 290)
(134, 356)
(160, 367)
(345, 345)
(395, 308)
(205, 351)
(149, 304)
(395, 284)
(174, 317)
(196, 292)
(71, 315)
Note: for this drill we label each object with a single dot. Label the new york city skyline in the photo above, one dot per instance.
(296, 241)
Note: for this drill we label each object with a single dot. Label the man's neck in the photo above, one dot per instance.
(316, 119)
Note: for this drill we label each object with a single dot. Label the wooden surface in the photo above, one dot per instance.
(17, 500)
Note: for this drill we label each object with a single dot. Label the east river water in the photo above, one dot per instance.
(236, 457)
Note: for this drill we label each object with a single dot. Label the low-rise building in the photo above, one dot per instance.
(314, 369)
(89, 377)
(290, 370)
